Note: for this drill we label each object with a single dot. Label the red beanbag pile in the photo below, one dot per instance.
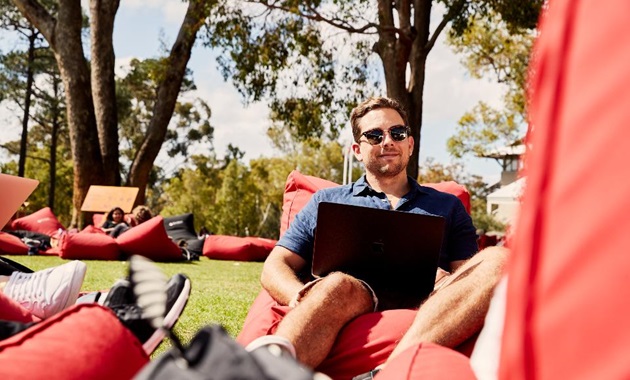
(223, 247)
(42, 221)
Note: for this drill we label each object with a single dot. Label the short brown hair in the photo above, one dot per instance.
(142, 214)
(372, 104)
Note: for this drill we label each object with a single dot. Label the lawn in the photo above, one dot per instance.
(222, 291)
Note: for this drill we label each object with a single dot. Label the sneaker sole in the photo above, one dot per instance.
(169, 320)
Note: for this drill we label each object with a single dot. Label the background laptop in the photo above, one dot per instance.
(395, 252)
(13, 192)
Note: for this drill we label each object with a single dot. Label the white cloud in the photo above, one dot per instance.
(172, 11)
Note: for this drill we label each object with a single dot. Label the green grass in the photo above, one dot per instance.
(222, 291)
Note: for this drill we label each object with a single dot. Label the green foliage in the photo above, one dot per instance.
(229, 197)
(136, 96)
(434, 172)
(492, 47)
(311, 75)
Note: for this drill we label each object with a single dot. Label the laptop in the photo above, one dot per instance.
(395, 252)
(13, 192)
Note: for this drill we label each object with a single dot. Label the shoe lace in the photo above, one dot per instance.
(29, 288)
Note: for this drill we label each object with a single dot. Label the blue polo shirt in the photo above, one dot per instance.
(460, 239)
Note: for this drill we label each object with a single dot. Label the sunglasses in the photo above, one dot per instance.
(376, 136)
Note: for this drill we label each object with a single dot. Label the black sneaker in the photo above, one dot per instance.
(8, 266)
(122, 301)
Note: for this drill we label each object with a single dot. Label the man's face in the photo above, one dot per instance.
(390, 157)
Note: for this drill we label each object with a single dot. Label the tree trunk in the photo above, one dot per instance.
(64, 37)
(54, 137)
(167, 94)
(27, 101)
(102, 14)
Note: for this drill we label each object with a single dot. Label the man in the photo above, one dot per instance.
(322, 307)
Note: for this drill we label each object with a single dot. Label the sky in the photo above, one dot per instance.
(449, 90)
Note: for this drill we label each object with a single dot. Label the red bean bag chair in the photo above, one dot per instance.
(42, 221)
(428, 361)
(297, 191)
(223, 247)
(12, 245)
(364, 343)
(89, 244)
(567, 313)
(150, 240)
(86, 341)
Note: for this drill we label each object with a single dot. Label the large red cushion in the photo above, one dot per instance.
(428, 361)
(224, 247)
(149, 239)
(567, 310)
(83, 342)
(42, 221)
(361, 345)
(12, 245)
(88, 245)
(13, 311)
(297, 191)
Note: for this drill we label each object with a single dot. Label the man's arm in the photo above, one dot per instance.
(279, 275)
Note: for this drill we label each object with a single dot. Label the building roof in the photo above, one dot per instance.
(504, 151)
(511, 192)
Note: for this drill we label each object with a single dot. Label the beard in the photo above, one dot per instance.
(387, 170)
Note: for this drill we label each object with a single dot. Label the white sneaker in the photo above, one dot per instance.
(47, 292)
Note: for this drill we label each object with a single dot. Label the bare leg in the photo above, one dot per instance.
(313, 325)
(456, 311)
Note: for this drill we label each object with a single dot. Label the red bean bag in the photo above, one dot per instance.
(42, 221)
(12, 245)
(567, 314)
(150, 240)
(297, 191)
(224, 247)
(13, 311)
(86, 341)
(428, 361)
(89, 244)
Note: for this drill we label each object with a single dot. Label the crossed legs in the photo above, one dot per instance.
(453, 313)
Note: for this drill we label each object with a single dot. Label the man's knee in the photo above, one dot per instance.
(343, 286)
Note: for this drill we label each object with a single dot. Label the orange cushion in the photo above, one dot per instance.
(149, 239)
(85, 341)
(13, 311)
(87, 245)
(297, 191)
(224, 247)
(567, 299)
(12, 245)
(42, 221)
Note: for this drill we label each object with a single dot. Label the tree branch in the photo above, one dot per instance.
(38, 16)
(316, 16)
(452, 12)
